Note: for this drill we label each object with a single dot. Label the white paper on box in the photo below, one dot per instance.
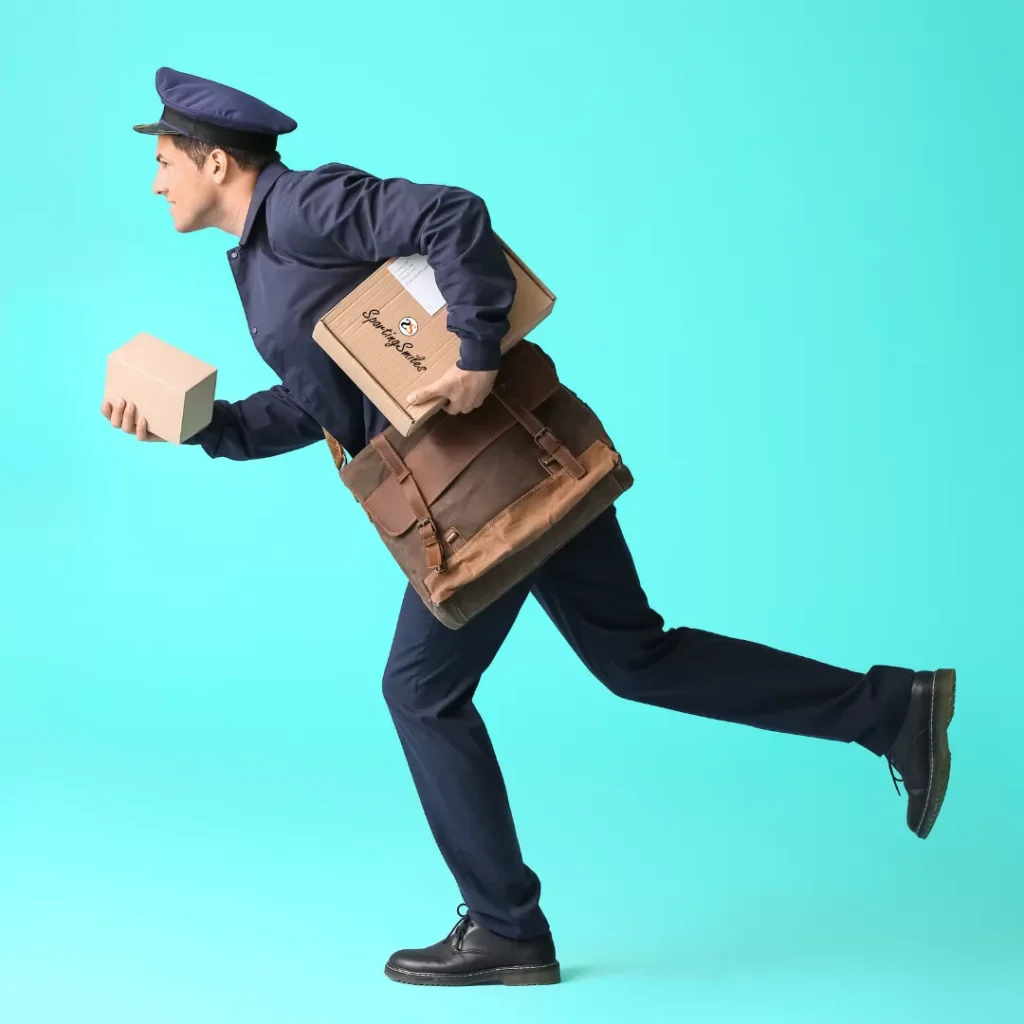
(416, 276)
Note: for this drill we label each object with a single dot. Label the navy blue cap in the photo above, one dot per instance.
(200, 109)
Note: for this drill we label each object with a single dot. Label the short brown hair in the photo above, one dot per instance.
(198, 150)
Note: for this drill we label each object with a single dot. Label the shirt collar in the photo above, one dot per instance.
(264, 183)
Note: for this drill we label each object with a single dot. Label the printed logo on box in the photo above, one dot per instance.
(371, 318)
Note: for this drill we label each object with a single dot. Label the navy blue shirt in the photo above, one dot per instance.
(309, 238)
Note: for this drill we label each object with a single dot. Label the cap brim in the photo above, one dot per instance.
(155, 128)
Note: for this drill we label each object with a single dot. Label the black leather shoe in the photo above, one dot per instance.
(921, 751)
(472, 955)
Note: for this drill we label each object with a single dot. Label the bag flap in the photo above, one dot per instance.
(452, 443)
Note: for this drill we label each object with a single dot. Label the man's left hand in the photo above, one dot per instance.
(463, 390)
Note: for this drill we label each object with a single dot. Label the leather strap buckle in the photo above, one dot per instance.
(546, 440)
(432, 545)
(541, 434)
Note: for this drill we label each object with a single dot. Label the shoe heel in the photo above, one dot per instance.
(548, 975)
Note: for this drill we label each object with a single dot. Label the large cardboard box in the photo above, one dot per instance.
(390, 334)
(173, 390)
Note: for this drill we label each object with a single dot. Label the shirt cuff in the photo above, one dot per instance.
(475, 354)
(206, 438)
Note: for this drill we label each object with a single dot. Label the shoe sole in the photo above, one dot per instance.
(543, 974)
(943, 705)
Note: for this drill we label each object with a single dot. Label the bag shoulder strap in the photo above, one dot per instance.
(337, 452)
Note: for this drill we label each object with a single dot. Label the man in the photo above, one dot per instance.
(305, 238)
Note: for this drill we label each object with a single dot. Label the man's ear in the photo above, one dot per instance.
(218, 165)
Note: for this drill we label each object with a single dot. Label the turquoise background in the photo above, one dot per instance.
(786, 242)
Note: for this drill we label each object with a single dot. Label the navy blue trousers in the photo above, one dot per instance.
(591, 591)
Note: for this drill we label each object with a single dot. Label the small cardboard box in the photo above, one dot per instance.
(390, 334)
(171, 389)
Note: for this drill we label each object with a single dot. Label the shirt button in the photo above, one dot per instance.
(234, 254)
(254, 332)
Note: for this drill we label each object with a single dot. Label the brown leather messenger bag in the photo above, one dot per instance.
(471, 504)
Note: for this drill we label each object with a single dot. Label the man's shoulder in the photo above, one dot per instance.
(302, 201)
(298, 183)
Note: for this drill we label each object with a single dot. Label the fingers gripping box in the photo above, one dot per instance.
(390, 334)
(173, 390)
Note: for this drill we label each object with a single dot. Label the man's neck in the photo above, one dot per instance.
(234, 208)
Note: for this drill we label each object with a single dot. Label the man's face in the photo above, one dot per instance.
(190, 191)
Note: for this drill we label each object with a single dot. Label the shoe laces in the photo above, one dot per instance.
(458, 933)
(892, 772)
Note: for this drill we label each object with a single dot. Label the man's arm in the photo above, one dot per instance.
(267, 423)
(339, 210)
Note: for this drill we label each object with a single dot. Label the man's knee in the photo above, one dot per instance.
(619, 681)
(645, 669)
(643, 686)
(423, 696)
(399, 690)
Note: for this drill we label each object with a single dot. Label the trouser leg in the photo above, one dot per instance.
(431, 676)
(591, 591)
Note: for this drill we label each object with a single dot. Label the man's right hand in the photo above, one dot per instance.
(122, 415)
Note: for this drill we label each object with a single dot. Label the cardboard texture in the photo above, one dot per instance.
(390, 334)
(171, 388)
